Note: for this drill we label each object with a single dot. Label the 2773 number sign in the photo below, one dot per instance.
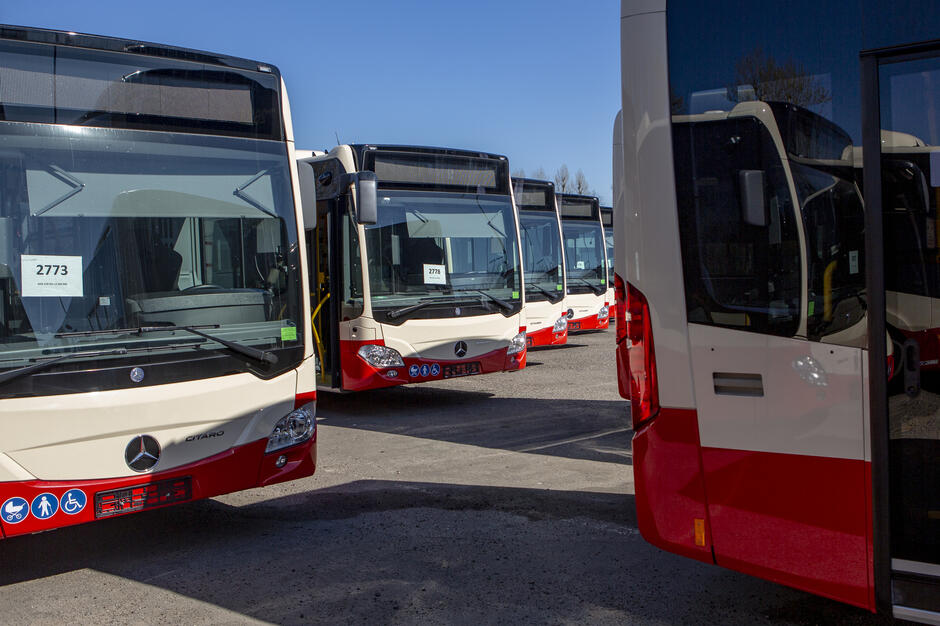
(51, 276)
(52, 270)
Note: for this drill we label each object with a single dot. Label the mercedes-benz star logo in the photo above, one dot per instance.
(142, 453)
(460, 349)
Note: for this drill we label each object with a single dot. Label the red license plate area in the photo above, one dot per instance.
(140, 497)
(461, 369)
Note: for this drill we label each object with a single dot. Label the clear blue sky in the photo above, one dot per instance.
(536, 81)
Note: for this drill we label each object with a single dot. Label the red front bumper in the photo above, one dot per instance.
(359, 375)
(238, 468)
(545, 337)
(591, 322)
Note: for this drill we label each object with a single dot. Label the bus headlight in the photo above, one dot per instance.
(381, 356)
(296, 427)
(517, 344)
(604, 312)
(561, 324)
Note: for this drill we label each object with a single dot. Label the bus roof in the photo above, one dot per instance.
(132, 46)
(361, 148)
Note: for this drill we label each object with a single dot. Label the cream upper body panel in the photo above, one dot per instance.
(435, 338)
(84, 435)
(543, 314)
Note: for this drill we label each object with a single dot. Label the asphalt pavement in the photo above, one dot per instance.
(504, 498)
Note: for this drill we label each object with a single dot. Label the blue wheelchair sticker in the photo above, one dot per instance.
(44, 506)
(14, 510)
(413, 371)
(425, 369)
(73, 501)
(435, 369)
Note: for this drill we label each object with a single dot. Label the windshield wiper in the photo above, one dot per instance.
(405, 310)
(597, 290)
(41, 365)
(254, 353)
(505, 305)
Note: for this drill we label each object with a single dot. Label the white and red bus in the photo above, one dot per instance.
(154, 334)
(585, 261)
(768, 437)
(417, 261)
(543, 258)
(607, 220)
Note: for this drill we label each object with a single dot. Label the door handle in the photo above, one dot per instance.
(731, 384)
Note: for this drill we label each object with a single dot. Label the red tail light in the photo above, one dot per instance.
(620, 305)
(644, 390)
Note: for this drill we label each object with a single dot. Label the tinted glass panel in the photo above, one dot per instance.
(428, 170)
(736, 274)
(63, 85)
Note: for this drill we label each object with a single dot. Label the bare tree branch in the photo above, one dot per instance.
(779, 82)
(562, 179)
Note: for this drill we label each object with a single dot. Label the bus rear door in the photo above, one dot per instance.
(902, 197)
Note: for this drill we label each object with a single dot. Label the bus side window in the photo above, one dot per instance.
(737, 275)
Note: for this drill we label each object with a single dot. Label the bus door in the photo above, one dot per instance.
(901, 95)
(336, 296)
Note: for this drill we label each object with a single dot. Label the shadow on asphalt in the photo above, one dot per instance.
(516, 555)
(594, 430)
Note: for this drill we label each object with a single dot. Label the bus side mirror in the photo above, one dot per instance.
(753, 206)
(366, 184)
(308, 193)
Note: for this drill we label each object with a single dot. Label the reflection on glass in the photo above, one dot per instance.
(910, 175)
(104, 230)
(449, 246)
(542, 259)
(584, 256)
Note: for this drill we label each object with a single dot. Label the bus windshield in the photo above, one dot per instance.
(542, 259)
(584, 254)
(434, 244)
(103, 231)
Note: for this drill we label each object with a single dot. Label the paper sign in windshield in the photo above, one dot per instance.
(434, 275)
(48, 276)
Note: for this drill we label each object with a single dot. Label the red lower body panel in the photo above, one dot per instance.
(802, 521)
(236, 469)
(591, 322)
(546, 337)
(798, 520)
(670, 493)
(359, 375)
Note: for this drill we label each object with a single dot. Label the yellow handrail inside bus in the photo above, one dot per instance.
(827, 291)
(313, 324)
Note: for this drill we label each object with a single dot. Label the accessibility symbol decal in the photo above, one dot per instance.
(73, 501)
(413, 371)
(14, 510)
(44, 506)
(435, 369)
(425, 369)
